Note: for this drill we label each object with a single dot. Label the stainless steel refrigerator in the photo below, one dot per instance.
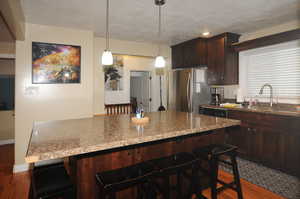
(190, 89)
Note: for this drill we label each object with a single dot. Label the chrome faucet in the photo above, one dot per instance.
(271, 92)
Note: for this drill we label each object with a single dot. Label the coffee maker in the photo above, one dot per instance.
(217, 95)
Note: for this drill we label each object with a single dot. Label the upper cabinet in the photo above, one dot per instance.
(192, 53)
(222, 60)
(216, 53)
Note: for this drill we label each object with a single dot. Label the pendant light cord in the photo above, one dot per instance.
(159, 28)
(107, 22)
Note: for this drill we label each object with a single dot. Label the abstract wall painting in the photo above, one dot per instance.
(55, 63)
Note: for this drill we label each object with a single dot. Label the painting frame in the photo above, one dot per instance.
(35, 69)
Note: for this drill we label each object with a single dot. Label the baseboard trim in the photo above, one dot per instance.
(20, 168)
(100, 114)
(5, 142)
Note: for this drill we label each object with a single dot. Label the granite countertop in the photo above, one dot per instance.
(64, 138)
(261, 109)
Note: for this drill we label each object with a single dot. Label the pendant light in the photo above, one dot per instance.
(107, 58)
(159, 60)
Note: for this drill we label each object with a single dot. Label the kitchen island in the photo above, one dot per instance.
(109, 142)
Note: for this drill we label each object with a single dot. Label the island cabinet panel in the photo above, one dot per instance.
(85, 167)
(272, 140)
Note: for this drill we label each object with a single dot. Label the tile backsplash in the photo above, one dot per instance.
(230, 91)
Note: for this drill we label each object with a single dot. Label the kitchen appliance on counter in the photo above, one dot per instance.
(217, 95)
(191, 89)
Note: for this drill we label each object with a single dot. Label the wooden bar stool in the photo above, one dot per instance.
(179, 164)
(51, 181)
(138, 175)
(212, 154)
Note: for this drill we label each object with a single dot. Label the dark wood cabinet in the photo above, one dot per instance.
(192, 53)
(239, 137)
(272, 140)
(222, 60)
(177, 56)
(216, 53)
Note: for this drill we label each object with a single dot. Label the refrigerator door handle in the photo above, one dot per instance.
(188, 92)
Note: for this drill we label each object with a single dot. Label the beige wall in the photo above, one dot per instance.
(12, 12)
(129, 48)
(58, 101)
(271, 30)
(7, 48)
(135, 63)
(7, 67)
(50, 101)
(6, 125)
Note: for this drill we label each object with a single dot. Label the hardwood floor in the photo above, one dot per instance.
(16, 186)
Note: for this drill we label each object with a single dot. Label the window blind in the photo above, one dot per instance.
(277, 66)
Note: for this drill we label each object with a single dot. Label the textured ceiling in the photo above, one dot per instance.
(137, 20)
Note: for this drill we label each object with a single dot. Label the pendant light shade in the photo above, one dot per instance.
(160, 62)
(107, 58)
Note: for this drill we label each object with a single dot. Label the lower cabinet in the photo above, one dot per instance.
(271, 140)
(84, 168)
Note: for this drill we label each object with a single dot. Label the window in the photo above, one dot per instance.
(278, 65)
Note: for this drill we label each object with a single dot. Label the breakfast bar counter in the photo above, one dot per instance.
(113, 141)
(58, 139)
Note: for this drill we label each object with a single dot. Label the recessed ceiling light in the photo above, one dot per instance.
(206, 33)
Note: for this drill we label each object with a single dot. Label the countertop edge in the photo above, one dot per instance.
(280, 113)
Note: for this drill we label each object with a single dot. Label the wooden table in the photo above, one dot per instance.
(109, 142)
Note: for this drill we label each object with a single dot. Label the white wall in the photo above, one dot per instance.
(131, 63)
(51, 101)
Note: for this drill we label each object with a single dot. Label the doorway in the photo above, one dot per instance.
(140, 91)
(7, 100)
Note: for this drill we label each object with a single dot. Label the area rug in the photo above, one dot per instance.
(273, 180)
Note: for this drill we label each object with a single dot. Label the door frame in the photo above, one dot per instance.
(149, 89)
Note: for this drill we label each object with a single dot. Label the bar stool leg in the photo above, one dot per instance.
(214, 167)
(30, 196)
(236, 176)
(179, 185)
(139, 189)
(112, 195)
(71, 194)
(196, 186)
(167, 189)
